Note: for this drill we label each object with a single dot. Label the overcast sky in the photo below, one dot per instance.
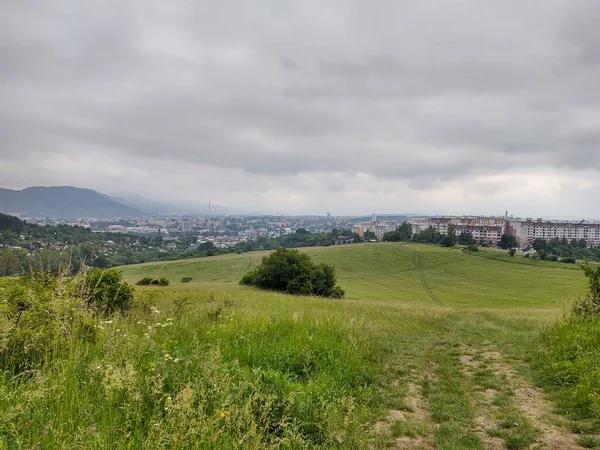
(348, 107)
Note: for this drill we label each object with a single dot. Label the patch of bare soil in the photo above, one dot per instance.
(529, 399)
(418, 412)
(484, 407)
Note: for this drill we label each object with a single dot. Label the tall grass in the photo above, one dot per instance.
(197, 370)
(568, 362)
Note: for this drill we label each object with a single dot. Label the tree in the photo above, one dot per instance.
(512, 252)
(508, 241)
(466, 238)
(593, 275)
(9, 264)
(539, 244)
(402, 233)
(450, 239)
(293, 272)
(369, 235)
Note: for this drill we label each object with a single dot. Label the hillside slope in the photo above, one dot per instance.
(63, 202)
(408, 273)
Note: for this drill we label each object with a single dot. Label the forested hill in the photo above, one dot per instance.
(62, 201)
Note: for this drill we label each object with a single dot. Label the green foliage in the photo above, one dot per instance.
(449, 240)
(39, 316)
(107, 292)
(466, 238)
(249, 377)
(186, 279)
(293, 272)
(402, 233)
(10, 223)
(508, 241)
(9, 264)
(162, 281)
(512, 252)
(568, 362)
(146, 281)
(149, 281)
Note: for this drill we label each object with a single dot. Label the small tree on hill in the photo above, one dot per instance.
(450, 239)
(466, 238)
(293, 272)
(508, 241)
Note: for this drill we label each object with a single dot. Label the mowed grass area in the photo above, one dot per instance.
(430, 349)
(398, 272)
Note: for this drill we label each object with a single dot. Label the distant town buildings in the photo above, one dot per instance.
(489, 229)
(528, 230)
(483, 229)
(378, 228)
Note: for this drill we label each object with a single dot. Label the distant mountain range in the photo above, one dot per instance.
(63, 202)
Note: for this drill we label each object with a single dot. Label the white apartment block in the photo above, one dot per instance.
(526, 231)
(419, 224)
(486, 229)
(379, 228)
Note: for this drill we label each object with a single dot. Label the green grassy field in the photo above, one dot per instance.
(430, 349)
(399, 272)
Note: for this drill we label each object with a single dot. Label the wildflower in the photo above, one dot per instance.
(154, 310)
(147, 335)
(108, 322)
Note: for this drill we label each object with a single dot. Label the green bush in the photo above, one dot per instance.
(39, 319)
(186, 279)
(569, 260)
(149, 281)
(568, 360)
(293, 272)
(107, 291)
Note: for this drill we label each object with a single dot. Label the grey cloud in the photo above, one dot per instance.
(419, 93)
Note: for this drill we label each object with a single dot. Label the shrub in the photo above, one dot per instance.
(146, 281)
(569, 260)
(186, 279)
(552, 258)
(162, 282)
(473, 248)
(568, 359)
(293, 272)
(107, 292)
(512, 252)
(39, 319)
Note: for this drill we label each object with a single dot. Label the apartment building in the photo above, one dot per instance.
(483, 228)
(528, 230)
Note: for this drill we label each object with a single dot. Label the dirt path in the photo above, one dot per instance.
(426, 287)
(529, 400)
(417, 412)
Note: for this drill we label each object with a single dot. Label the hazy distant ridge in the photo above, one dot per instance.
(64, 202)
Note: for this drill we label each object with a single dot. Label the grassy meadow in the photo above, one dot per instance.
(431, 348)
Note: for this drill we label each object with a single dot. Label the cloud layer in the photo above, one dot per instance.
(306, 107)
